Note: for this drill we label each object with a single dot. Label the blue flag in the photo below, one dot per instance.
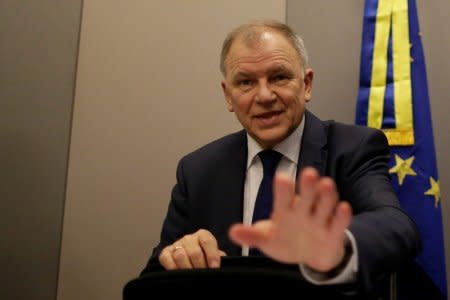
(393, 96)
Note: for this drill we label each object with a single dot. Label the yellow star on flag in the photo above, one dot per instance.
(434, 191)
(402, 168)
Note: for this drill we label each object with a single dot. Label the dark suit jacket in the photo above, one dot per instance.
(210, 183)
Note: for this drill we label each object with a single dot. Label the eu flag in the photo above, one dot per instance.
(393, 96)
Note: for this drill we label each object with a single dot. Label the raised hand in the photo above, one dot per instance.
(307, 228)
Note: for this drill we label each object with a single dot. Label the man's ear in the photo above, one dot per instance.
(308, 81)
(226, 93)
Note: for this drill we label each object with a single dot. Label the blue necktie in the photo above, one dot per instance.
(264, 198)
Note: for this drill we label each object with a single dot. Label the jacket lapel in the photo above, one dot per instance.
(313, 150)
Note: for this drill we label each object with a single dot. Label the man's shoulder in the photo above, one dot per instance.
(335, 130)
(354, 134)
(339, 127)
(335, 127)
(225, 145)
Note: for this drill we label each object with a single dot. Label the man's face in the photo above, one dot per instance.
(266, 88)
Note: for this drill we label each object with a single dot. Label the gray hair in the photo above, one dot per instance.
(251, 32)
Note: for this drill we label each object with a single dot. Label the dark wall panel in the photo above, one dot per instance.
(38, 50)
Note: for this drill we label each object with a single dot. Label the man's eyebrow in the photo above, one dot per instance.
(280, 68)
(241, 74)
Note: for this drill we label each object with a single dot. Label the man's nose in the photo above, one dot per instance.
(264, 93)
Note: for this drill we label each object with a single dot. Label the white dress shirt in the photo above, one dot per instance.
(290, 149)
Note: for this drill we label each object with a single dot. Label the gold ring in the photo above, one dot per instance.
(177, 248)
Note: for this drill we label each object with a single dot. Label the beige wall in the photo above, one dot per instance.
(148, 91)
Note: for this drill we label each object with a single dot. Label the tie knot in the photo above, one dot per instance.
(270, 159)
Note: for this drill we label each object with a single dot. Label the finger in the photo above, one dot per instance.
(341, 219)
(251, 236)
(308, 181)
(210, 250)
(181, 258)
(194, 248)
(196, 255)
(283, 192)
(166, 260)
(326, 203)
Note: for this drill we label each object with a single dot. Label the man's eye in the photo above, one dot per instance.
(245, 82)
(279, 77)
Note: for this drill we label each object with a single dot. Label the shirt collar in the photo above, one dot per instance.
(289, 147)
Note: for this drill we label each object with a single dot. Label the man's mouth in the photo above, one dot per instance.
(268, 118)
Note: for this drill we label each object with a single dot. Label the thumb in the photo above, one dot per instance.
(252, 236)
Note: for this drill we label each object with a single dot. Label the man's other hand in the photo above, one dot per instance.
(197, 250)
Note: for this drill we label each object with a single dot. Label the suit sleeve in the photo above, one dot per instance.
(385, 236)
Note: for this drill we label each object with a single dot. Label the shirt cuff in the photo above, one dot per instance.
(347, 273)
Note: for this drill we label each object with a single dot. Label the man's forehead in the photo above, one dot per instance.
(267, 42)
(268, 45)
(259, 38)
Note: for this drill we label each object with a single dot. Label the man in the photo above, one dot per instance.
(266, 83)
